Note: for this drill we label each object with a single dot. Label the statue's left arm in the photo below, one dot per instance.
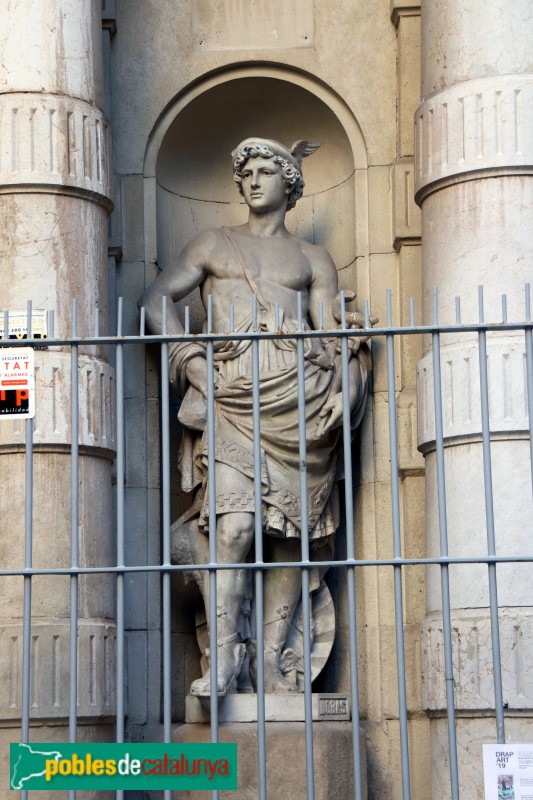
(324, 290)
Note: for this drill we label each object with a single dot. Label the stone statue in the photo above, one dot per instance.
(230, 264)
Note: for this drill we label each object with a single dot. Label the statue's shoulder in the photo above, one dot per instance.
(208, 237)
(317, 255)
(235, 231)
(202, 245)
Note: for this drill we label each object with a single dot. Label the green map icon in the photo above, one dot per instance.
(29, 761)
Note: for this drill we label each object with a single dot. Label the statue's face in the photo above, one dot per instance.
(263, 185)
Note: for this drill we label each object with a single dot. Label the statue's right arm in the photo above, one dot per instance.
(174, 283)
(177, 281)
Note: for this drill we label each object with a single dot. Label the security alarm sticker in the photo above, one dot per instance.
(17, 383)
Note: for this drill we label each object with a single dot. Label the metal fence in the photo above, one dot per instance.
(118, 345)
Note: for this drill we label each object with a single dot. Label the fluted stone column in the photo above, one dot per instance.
(474, 151)
(54, 206)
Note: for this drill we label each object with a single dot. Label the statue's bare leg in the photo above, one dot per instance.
(234, 538)
(282, 590)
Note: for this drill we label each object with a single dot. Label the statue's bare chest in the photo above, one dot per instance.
(273, 261)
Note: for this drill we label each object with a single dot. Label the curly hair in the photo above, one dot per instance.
(292, 177)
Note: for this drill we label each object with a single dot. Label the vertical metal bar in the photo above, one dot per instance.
(350, 552)
(28, 559)
(367, 314)
(529, 371)
(321, 315)
(504, 308)
(259, 575)
(412, 312)
(491, 539)
(211, 500)
(28, 536)
(165, 576)
(444, 575)
(120, 470)
(211, 503)
(74, 533)
(398, 598)
(306, 605)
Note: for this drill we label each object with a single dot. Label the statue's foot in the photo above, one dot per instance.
(230, 656)
(202, 686)
(275, 681)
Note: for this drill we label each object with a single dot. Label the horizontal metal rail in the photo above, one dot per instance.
(253, 565)
(336, 333)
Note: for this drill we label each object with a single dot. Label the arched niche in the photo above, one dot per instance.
(189, 160)
(189, 187)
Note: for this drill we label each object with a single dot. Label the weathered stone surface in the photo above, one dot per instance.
(54, 143)
(63, 259)
(484, 124)
(461, 394)
(467, 527)
(465, 41)
(50, 51)
(472, 733)
(472, 658)
(285, 746)
(243, 26)
(50, 669)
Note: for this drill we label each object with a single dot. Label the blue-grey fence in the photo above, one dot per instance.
(118, 344)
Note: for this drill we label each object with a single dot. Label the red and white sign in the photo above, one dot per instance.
(17, 383)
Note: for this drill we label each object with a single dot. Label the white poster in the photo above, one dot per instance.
(17, 383)
(508, 771)
(18, 324)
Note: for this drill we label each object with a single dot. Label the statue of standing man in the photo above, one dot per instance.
(231, 264)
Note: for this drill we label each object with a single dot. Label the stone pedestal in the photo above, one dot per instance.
(281, 707)
(285, 759)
